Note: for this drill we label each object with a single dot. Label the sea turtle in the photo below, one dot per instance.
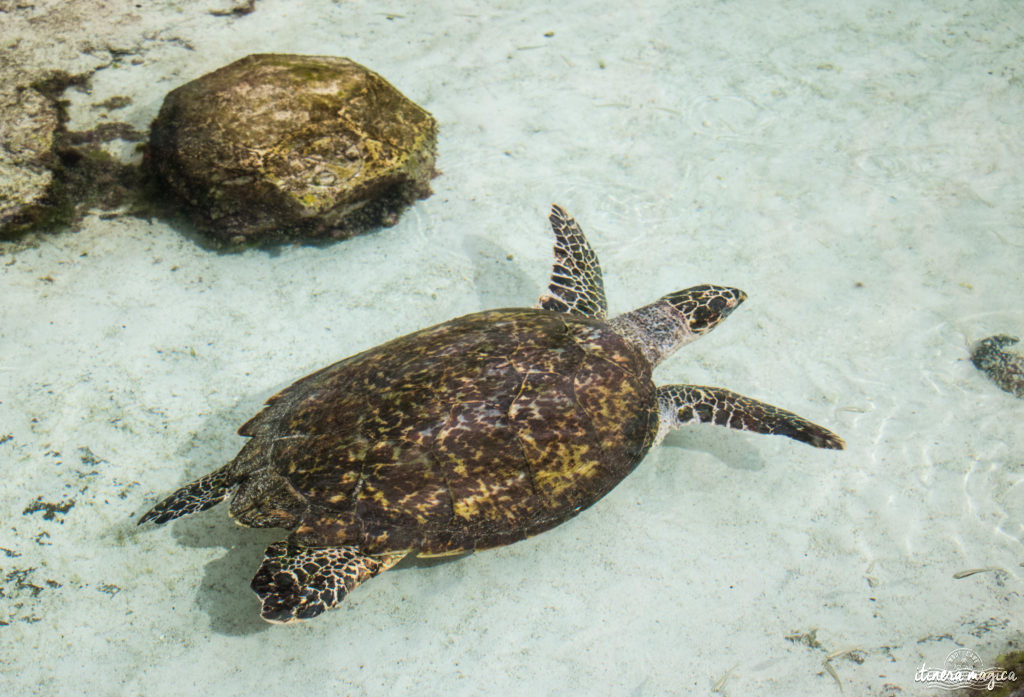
(474, 433)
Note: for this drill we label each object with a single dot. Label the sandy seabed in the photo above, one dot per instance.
(857, 168)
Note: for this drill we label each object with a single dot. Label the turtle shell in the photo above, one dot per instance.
(466, 435)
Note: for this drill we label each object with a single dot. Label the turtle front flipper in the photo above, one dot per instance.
(298, 583)
(687, 404)
(201, 494)
(576, 287)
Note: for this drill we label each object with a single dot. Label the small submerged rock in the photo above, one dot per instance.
(1004, 368)
(287, 146)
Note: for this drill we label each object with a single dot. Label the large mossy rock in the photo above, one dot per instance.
(272, 147)
(29, 123)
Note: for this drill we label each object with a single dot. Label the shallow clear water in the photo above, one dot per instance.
(856, 170)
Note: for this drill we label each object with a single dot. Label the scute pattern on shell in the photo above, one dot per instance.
(470, 434)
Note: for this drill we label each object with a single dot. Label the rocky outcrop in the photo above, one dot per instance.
(273, 147)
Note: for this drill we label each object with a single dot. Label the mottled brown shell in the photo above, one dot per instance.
(470, 434)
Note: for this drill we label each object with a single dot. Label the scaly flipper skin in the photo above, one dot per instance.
(576, 284)
(201, 494)
(298, 583)
(687, 404)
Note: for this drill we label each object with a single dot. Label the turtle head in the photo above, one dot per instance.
(702, 308)
(676, 319)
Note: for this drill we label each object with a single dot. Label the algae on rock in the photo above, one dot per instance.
(28, 127)
(51, 177)
(273, 147)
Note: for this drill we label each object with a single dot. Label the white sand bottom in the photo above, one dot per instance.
(858, 172)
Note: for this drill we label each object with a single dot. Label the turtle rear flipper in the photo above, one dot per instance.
(299, 583)
(687, 404)
(201, 494)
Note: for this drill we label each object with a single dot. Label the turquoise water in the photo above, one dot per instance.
(856, 170)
